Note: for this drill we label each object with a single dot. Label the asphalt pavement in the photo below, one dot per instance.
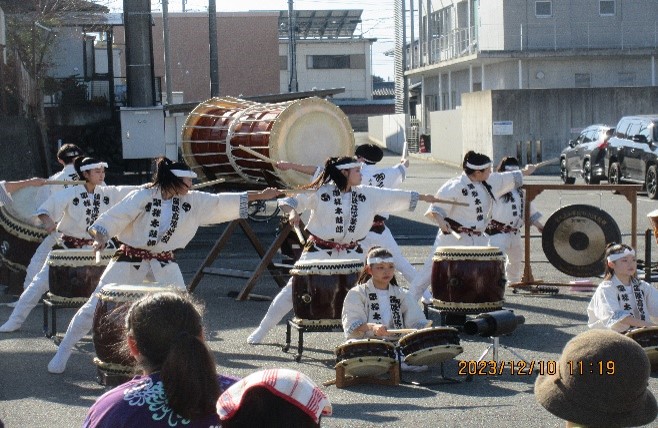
(30, 396)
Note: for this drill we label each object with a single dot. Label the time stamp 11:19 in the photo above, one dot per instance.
(540, 367)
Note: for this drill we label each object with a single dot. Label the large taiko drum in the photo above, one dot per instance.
(19, 237)
(305, 131)
(74, 274)
(430, 346)
(468, 279)
(647, 337)
(114, 363)
(366, 357)
(319, 287)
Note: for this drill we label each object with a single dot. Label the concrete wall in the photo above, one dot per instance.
(20, 149)
(446, 136)
(388, 131)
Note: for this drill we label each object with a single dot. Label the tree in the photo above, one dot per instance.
(377, 79)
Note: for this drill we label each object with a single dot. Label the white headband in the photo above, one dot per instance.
(478, 167)
(349, 165)
(511, 168)
(375, 260)
(183, 173)
(93, 166)
(617, 256)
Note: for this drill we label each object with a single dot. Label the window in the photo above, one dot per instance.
(283, 62)
(582, 80)
(606, 7)
(327, 62)
(543, 9)
(620, 132)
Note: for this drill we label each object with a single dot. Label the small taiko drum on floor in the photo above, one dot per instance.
(74, 274)
(305, 131)
(468, 279)
(319, 287)
(647, 337)
(19, 237)
(114, 363)
(430, 346)
(366, 357)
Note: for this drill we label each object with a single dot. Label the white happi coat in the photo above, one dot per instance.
(361, 306)
(613, 301)
(474, 216)
(78, 209)
(511, 213)
(67, 173)
(346, 217)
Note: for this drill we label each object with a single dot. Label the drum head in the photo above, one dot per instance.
(433, 356)
(308, 132)
(367, 366)
(25, 204)
(575, 237)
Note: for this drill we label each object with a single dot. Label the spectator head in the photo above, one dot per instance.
(370, 153)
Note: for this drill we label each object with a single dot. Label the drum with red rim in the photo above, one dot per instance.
(305, 131)
(430, 346)
(319, 287)
(366, 357)
(647, 337)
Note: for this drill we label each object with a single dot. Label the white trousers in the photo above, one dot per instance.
(30, 296)
(39, 258)
(512, 245)
(424, 276)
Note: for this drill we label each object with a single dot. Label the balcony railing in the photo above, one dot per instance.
(81, 91)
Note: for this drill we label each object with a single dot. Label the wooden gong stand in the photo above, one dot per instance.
(533, 190)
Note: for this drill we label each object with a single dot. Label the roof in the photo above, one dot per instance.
(50, 6)
(318, 24)
(90, 19)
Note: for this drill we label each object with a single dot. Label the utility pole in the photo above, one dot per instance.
(165, 31)
(292, 50)
(214, 58)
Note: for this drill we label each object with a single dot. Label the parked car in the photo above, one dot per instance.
(585, 156)
(632, 154)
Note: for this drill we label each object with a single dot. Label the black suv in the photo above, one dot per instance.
(585, 156)
(633, 152)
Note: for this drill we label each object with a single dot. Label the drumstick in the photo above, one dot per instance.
(208, 183)
(402, 330)
(547, 162)
(256, 154)
(299, 234)
(98, 256)
(443, 225)
(405, 149)
(63, 182)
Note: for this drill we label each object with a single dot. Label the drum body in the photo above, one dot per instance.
(306, 131)
(468, 279)
(647, 338)
(114, 301)
(366, 357)
(430, 346)
(74, 273)
(19, 234)
(319, 287)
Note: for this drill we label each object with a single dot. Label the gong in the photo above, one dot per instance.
(575, 237)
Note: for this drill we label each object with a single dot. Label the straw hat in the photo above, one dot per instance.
(602, 380)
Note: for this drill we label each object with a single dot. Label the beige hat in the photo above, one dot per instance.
(602, 380)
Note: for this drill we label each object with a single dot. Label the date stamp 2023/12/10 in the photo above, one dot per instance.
(530, 367)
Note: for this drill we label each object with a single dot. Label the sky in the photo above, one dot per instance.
(377, 19)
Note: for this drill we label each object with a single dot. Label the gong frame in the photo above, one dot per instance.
(629, 191)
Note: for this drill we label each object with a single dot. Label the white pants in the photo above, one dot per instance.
(511, 244)
(386, 240)
(117, 273)
(30, 296)
(424, 276)
(39, 258)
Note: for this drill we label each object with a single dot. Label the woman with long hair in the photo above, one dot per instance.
(179, 385)
(151, 223)
(341, 214)
(76, 208)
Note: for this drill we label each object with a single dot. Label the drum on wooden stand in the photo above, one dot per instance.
(114, 363)
(366, 357)
(647, 337)
(73, 274)
(319, 287)
(305, 131)
(19, 238)
(468, 279)
(430, 346)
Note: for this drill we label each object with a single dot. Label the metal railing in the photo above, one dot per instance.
(80, 91)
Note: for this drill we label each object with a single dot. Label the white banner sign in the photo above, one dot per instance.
(503, 128)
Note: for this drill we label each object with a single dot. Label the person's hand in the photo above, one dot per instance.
(379, 330)
(36, 181)
(99, 244)
(529, 169)
(270, 193)
(283, 165)
(404, 162)
(293, 218)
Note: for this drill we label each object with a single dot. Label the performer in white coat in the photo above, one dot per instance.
(478, 187)
(65, 157)
(341, 215)
(151, 223)
(78, 207)
(506, 224)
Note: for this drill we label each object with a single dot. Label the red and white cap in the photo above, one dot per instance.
(291, 385)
